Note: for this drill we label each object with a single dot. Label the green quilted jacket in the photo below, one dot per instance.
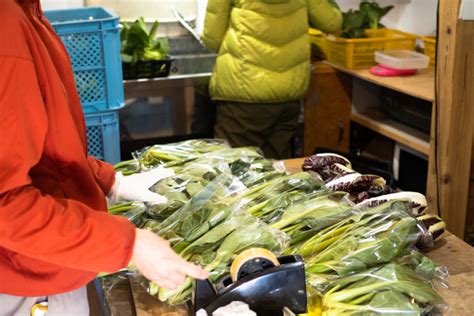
(263, 47)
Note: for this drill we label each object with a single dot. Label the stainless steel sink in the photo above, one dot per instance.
(190, 57)
(192, 64)
(164, 108)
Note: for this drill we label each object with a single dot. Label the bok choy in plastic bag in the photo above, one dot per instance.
(362, 241)
(202, 212)
(133, 211)
(169, 154)
(390, 289)
(188, 182)
(239, 232)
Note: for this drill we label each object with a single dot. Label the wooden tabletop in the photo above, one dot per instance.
(449, 251)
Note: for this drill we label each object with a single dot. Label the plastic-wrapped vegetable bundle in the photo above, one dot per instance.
(190, 149)
(243, 160)
(242, 154)
(390, 289)
(219, 199)
(203, 167)
(308, 216)
(362, 241)
(188, 182)
(246, 163)
(217, 248)
(272, 209)
(169, 153)
(425, 267)
(192, 175)
(134, 211)
(178, 190)
(205, 210)
(268, 200)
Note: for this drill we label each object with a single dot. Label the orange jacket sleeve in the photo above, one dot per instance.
(61, 231)
(104, 173)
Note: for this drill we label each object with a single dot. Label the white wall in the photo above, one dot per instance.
(61, 4)
(414, 16)
(151, 10)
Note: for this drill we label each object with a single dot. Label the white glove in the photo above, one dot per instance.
(136, 187)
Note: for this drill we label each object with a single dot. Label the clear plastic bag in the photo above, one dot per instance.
(188, 182)
(268, 200)
(247, 163)
(426, 268)
(169, 154)
(217, 247)
(373, 237)
(243, 232)
(133, 211)
(202, 212)
(390, 289)
(308, 216)
(182, 151)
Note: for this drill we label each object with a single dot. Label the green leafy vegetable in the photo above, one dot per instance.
(311, 215)
(138, 44)
(246, 232)
(355, 22)
(391, 289)
(377, 236)
(133, 211)
(222, 200)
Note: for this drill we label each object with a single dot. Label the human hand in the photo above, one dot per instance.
(155, 259)
(136, 187)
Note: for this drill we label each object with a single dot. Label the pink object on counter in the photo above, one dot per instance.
(384, 71)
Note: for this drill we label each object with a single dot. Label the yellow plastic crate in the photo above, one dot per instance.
(359, 52)
(318, 39)
(430, 49)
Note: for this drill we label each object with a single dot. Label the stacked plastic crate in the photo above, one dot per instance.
(92, 39)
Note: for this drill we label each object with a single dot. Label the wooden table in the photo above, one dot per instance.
(449, 251)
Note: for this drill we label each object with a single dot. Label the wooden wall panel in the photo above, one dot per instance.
(454, 120)
(328, 110)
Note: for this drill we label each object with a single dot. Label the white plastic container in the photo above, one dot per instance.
(402, 59)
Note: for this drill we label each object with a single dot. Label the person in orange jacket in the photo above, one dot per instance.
(55, 233)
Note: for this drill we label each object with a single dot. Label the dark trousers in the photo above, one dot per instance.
(269, 126)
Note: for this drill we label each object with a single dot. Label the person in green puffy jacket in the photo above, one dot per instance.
(262, 70)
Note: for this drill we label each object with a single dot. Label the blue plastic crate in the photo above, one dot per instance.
(103, 135)
(92, 39)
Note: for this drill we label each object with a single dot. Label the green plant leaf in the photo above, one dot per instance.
(154, 29)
